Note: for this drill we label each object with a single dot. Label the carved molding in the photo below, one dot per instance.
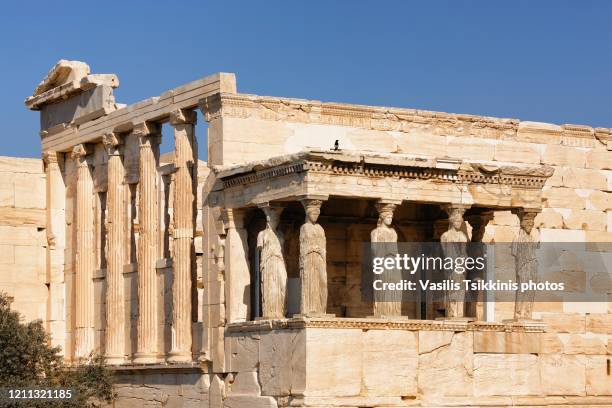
(527, 177)
(79, 151)
(50, 157)
(182, 117)
(147, 132)
(379, 118)
(383, 324)
(111, 143)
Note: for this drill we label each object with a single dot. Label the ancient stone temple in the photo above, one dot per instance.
(160, 261)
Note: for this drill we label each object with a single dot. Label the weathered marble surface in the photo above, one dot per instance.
(272, 267)
(313, 266)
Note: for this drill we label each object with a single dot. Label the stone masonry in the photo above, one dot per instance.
(152, 259)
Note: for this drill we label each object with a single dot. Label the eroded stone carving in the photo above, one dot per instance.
(476, 308)
(273, 271)
(526, 264)
(62, 72)
(454, 245)
(387, 303)
(313, 268)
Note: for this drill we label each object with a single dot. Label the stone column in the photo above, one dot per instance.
(147, 346)
(116, 221)
(237, 273)
(476, 306)
(185, 184)
(56, 244)
(313, 261)
(526, 263)
(384, 244)
(454, 245)
(85, 256)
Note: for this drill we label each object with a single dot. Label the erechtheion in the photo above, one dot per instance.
(153, 259)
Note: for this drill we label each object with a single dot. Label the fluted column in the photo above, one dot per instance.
(147, 346)
(85, 256)
(56, 244)
(116, 253)
(185, 159)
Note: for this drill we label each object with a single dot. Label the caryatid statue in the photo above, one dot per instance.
(526, 264)
(273, 271)
(476, 307)
(383, 240)
(313, 267)
(454, 246)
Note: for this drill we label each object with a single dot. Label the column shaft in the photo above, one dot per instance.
(116, 254)
(147, 347)
(184, 226)
(56, 244)
(85, 257)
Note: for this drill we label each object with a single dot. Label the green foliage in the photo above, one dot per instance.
(27, 361)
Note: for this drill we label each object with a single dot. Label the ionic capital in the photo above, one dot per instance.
(80, 152)
(50, 157)
(233, 218)
(147, 133)
(182, 117)
(111, 142)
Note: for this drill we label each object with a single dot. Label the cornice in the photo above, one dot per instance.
(325, 163)
(387, 118)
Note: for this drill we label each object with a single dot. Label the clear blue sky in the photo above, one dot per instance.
(533, 60)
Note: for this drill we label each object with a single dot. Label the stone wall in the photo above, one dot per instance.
(355, 362)
(162, 387)
(576, 200)
(23, 235)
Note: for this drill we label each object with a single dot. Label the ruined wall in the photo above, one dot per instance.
(23, 236)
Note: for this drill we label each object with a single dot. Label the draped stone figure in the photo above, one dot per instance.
(273, 271)
(384, 244)
(476, 307)
(313, 268)
(526, 265)
(454, 244)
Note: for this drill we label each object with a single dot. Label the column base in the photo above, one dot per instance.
(179, 357)
(147, 358)
(115, 360)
